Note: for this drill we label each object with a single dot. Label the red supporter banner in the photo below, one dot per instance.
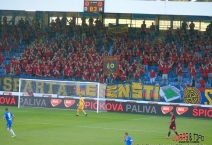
(110, 65)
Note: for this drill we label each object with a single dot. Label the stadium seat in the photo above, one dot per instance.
(208, 85)
(146, 74)
(197, 85)
(2, 71)
(183, 85)
(185, 75)
(185, 80)
(171, 79)
(174, 75)
(185, 70)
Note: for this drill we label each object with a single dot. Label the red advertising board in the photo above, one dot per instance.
(121, 107)
(8, 100)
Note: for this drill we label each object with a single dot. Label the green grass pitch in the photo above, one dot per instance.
(38, 126)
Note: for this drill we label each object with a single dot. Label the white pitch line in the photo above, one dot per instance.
(118, 129)
(144, 118)
(90, 116)
(24, 122)
(86, 126)
(104, 128)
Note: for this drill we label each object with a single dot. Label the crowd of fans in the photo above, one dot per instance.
(76, 52)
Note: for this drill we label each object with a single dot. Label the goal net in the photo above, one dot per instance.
(61, 94)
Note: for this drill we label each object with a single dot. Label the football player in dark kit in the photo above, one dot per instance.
(172, 125)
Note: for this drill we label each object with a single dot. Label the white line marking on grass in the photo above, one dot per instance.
(89, 116)
(32, 122)
(105, 128)
(86, 126)
(144, 118)
(119, 129)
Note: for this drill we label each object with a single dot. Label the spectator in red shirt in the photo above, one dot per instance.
(130, 73)
(210, 71)
(8, 49)
(165, 70)
(123, 76)
(7, 66)
(134, 64)
(1, 48)
(47, 71)
(38, 72)
(77, 72)
(152, 75)
(113, 78)
(85, 75)
(205, 73)
(56, 73)
(160, 67)
(179, 72)
(34, 69)
(1, 59)
(18, 70)
(101, 79)
(193, 73)
(190, 65)
(146, 62)
(66, 72)
(136, 76)
(141, 72)
(93, 77)
(202, 83)
(28, 70)
(71, 73)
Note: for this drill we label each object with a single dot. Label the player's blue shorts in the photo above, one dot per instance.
(9, 124)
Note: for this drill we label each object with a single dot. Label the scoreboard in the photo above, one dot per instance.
(94, 6)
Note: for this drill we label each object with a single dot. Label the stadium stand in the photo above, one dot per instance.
(74, 52)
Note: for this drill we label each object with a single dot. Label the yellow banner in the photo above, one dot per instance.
(118, 29)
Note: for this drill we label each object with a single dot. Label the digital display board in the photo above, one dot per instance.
(94, 6)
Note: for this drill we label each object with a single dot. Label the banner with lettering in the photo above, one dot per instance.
(197, 96)
(110, 65)
(126, 91)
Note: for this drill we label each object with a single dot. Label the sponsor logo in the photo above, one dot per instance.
(138, 108)
(191, 96)
(105, 106)
(8, 100)
(181, 110)
(33, 102)
(166, 109)
(69, 103)
(55, 102)
(202, 112)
